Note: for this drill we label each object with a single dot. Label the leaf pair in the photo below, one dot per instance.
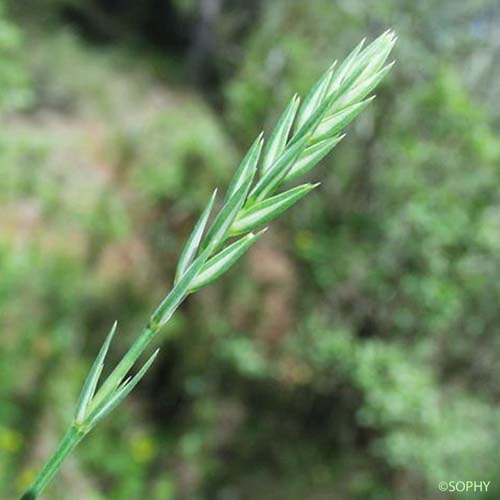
(87, 414)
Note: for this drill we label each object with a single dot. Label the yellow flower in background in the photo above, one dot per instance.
(304, 241)
(25, 477)
(142, 448)
(10, 441)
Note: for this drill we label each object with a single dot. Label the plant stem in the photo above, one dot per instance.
(72, 437)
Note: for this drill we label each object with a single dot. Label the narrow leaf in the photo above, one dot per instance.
(311, 157)
(362, 90)
(92, 379)
(218, 231)
(349, 73)
(159, 318)
(333, 124)
(346, 66)
(120, 394)
(220, 263)
(273, 177)
(375, 55)
(277, 142)
(315, 97)
(264, 211)
(246, 168)
(170, 303)
(307, 130)
(191, 246)
(362, 65)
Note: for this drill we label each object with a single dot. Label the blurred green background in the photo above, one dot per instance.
(354, 353)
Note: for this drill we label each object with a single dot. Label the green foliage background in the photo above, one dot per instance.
(353, 354)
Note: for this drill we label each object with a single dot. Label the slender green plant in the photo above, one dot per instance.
(304, 134)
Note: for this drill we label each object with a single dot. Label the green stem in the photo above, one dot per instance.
(72, 437)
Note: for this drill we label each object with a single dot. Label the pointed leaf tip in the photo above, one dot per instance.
(279, 136)
(191, 247)
(218, 231)
(90, 384)
(275, 175)
(312, 156)
(246, 169)
(266, 210)
(314, 98)
(109, 404)
(221, 262)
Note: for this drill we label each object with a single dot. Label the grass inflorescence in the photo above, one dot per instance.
(258, 193)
